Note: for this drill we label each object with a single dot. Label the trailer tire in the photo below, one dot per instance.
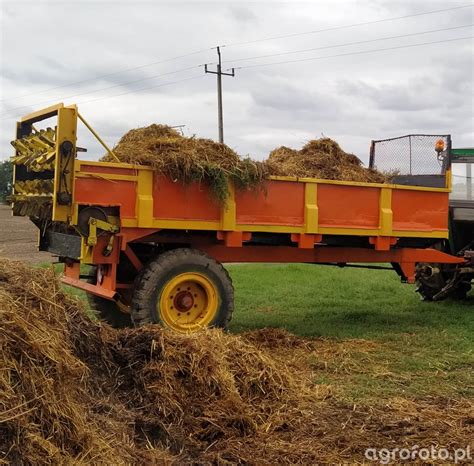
(105, 309)
(185, 290)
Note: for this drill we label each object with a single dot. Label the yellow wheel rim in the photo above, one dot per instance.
(188, 302)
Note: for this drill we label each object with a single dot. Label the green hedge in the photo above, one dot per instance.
(6, 174)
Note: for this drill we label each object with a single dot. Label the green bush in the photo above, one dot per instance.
(6, 175)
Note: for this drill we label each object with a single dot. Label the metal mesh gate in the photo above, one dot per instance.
(414, 154)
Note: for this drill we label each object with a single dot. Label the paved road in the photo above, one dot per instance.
(18, 238)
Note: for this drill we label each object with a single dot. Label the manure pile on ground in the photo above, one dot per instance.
(75, 391)
(194, 159)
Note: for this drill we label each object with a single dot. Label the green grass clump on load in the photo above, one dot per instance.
(189, 159)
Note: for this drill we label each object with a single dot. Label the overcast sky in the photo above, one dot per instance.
(351, 98)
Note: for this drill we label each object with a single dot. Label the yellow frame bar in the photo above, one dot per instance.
(40, 113)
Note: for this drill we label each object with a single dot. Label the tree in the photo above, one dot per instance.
(6, 175)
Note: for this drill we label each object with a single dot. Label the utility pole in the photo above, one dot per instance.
(219, 73)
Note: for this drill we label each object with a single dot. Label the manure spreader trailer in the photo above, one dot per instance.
(155, 246)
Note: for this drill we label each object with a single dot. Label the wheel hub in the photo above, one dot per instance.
(183, 301)
(189, 301)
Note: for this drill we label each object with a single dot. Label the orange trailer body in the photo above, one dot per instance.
(302, 206)
(307, 210)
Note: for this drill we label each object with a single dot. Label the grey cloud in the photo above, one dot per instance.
(443, 89)
(406, 7)
(53, 73)
(405, 97)
(443, 19)
(52, 64)
(352, 99)
(242, 14)
(282, 96)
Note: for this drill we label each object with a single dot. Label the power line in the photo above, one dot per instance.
(105, 88)
(350, 43)
(337, 28)
(235, 44)
(274, 63)
(354, 53)
(142, 89)
(108, 74)
(131, 92)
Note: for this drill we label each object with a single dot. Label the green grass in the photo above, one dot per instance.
(70, 289)
(421, 348)
(312, 300)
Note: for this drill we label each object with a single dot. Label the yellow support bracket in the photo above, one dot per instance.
(386, 213)
(311, 208)
(94, 225)
(229, 210)
(144, 206)
(104, 145)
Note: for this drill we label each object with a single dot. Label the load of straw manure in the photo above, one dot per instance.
(76, 391)
(203, 160)
(188, 159)
(321, 158)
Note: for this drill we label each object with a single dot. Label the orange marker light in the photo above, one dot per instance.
(439, 146)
